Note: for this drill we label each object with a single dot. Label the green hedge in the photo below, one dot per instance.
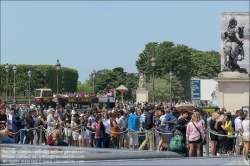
(209, 109)
(43, 76)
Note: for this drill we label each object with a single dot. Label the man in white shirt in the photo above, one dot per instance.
(237, 123)
(9, 120)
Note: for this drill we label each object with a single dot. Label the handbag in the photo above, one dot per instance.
(50, 141)
(99, 133)
(198, 131)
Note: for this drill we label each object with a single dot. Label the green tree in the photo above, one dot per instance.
(162, 89)
(184, 62)
(84, 87)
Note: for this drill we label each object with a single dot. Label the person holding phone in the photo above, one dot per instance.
(76, 128)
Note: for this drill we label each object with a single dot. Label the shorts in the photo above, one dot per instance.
(196, 142)
(246, 136)
(164, 137)
(86, 135)
(133, 138)
(76, 136)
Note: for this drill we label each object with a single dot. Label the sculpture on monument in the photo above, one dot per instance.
(233, 46)
(142, 81)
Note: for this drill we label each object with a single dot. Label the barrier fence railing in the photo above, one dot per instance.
(131, 134)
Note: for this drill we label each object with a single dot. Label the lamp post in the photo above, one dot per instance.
(7, 68)
(170, 76)
(58, 67)
(93, 77)
(29, 74)
(153, 69)
(15, 70)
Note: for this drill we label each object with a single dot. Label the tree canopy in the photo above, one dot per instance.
(184, 62)
(43, 76)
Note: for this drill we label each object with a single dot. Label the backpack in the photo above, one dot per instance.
(176, 143)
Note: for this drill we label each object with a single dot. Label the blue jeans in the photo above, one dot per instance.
(24, 133)
(61, 143)
(170, 136)
(91, 138)
(100, 141)
(184, 150)
(8, 141)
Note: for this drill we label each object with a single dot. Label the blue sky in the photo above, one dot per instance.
(96, 35)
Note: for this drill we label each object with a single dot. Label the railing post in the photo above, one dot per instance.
(67, 135)
(153, 139)
(207, 145)
(82, 133)
(129, 139)
(41, 135)
(21, 133)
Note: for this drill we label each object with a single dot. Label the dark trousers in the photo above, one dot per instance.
(61, 143)
(30, 136)
(17, 137)
(92, 139)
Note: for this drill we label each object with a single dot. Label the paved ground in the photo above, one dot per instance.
(47, 155)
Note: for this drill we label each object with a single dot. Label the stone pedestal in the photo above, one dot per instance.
(233, 90)
(141, 95)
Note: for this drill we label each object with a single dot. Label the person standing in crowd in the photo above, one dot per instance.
(122, 123)
(9, 121)
(114, 129)
(30, 122)
(57, 136)
(16, 126)
(106, 122)
(68, 129)
(230, 130)
(149, 124)
(50, 121)
(90, 125)
(24, 129)
(84, 121)
(100, 132)
(171, 120)
(195, 134)
(3, 118)
(21, 111)
(222, 141)
(245, 130)
(163, 128)
(43, 122)
(238, 123)
(213, 137)
(76, 128)
(133, 125)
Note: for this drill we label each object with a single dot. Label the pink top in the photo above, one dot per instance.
(192, 133)
(98, 127)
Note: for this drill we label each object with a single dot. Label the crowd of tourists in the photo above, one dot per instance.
(82, 94)
(134, 126)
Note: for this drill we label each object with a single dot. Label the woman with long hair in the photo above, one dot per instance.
(222, 140)
(57, 136)
(230, 130)
(195, 134)
(114, 128)
(84, 120)
(76, 128)
(213, 137)
(100, 132)
(245, 129)
(68, 129)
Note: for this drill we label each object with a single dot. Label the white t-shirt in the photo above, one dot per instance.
(9, 120)
(245, 125)
(106, 123)
(123, 122)
(73, 112)
(237, 124)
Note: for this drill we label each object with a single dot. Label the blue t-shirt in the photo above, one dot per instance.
(170, 117)
(133, 122)
(20, 113)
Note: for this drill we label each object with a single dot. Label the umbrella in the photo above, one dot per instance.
(188, 107)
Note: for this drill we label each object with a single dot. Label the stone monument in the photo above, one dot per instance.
(142, 92)
(234, 80)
